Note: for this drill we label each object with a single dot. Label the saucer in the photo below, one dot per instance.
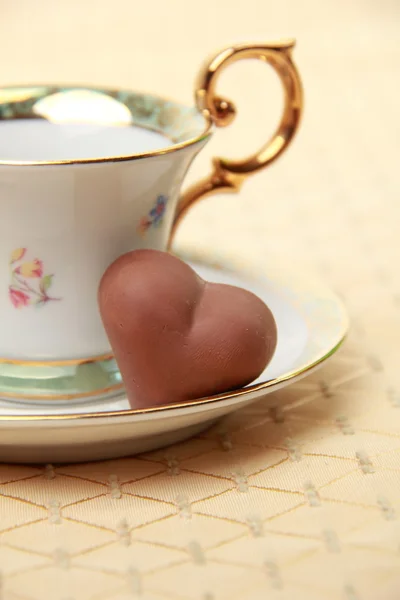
(311, 322)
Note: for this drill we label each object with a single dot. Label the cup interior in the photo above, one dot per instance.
(77, 124)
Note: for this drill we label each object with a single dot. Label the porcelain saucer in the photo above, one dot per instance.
(312, 324)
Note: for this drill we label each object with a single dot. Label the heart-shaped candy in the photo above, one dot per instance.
(177, 337)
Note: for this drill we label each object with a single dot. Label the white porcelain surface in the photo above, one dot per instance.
(311, 325)
(33, 140)
(76, 220)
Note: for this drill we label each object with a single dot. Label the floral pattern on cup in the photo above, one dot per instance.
(29, 285)
(155, 216)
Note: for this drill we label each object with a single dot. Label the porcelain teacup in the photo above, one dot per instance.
(86, 175)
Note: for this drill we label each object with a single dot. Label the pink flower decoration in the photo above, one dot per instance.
(29, 286)
(31, 269)
(18, 298)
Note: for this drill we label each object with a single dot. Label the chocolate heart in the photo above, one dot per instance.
(177, 337)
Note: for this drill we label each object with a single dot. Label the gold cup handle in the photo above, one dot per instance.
(229, 175)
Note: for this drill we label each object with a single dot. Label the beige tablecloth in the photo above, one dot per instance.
(301, 502)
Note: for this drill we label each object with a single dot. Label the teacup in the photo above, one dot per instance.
(85, 176)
